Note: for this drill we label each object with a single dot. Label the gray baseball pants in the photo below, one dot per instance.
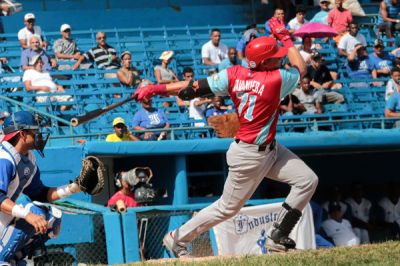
(247, 168)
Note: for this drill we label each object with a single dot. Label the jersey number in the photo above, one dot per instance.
(251, 103)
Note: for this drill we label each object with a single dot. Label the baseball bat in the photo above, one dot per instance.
(79, 120)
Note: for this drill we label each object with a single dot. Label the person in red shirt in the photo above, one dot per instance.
(124, 193)
(339, 19)
(254, 154)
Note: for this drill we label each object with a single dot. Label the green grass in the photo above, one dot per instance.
(387, 253)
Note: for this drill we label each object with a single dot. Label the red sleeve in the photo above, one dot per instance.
(112, 200)
(330, 18)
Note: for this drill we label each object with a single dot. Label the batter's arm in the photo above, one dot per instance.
(296, 60)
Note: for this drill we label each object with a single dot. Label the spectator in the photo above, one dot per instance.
(65, 48)
(121, 132)
(232, 60)
(149, 118)
(339, 19)
(162, 73)
(317, 211)
(322, 15)
(360, 209)
(388, 19)
(37, 79)
(392, 108)
(25, 34)
(279, 13)
(390, 206)
(103, 55)
(197, 110)
(339, 229)
(321, 79)
(349, 40)
(291, 105)
(34, 50)
(334, 194)
(125, 184)
(298, 21)
(213, 51)
(357, 65)
(128, 75)
(393, 84)
(307, 49)
(310, 98)
(4, 11)
(219, 107)
(380, 62)
(3, 116)
(248, 36)
(188, 74)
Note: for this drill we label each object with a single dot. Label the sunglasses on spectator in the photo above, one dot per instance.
(101, 38)
(30, 20)
(67, 30)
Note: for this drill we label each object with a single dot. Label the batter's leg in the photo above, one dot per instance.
(247, 168)
(290, 169)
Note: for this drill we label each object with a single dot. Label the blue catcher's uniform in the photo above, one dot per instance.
(20, 174)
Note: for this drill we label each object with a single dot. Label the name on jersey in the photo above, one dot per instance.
(248, 85)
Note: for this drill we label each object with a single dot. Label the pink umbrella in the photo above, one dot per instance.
(315, 30)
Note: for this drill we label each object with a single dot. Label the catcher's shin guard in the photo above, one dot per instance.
(283, 227)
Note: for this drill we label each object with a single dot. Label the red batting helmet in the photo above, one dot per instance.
(263, 48)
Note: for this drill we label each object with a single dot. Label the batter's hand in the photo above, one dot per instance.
(278, 29)
(38, 222)
(145, 93)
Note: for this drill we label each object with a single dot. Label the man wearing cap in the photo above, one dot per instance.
(40, 81)
(322, 15)
(121, 132)
(350, 39)
(36, 50)
(26, 226)
(213, 51)
(380, 62)
(66, 48)
(104, 56)
(339, 229)
(321, 79)
(26, 33)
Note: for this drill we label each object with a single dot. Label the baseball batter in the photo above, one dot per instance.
(19, 174)
(256, 92)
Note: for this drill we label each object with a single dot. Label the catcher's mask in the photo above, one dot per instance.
(24, 120)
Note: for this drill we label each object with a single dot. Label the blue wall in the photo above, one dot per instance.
(86, 14)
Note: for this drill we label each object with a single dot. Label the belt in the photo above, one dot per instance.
(264, 146)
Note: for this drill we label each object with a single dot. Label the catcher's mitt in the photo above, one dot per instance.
(225, 125)
(92, 176)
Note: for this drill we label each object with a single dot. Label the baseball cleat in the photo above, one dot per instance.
(170, 245)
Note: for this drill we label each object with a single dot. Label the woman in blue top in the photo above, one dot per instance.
(388, 19)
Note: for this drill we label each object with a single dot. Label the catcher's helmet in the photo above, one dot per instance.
(261, 49)
(18, 121)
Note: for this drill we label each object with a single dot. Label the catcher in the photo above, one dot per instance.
(26, 227)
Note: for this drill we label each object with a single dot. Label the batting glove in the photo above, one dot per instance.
(280, 32)
(145, 93)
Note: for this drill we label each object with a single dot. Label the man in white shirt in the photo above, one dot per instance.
(360, 209)
(349, 40)
(35, 79)
(390, 205)
(213, 51)
(298, 21)
(339, 229)
(26, 33)
(197, 110)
